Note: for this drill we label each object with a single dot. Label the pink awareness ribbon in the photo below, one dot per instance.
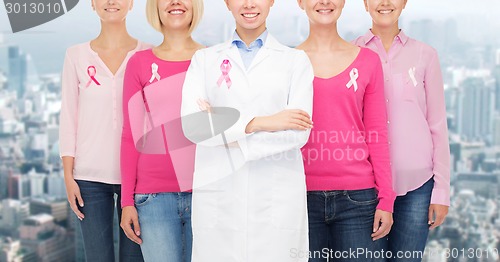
(225, 67)
(91, 71)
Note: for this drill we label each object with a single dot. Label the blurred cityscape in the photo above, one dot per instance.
(36, 223)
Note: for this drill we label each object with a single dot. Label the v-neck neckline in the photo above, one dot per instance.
(358, 56)
(103, 65)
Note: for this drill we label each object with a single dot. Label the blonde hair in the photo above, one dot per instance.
(153, 15)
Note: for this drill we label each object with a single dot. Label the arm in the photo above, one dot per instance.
(128, 152)
(375, 120)
(436, 118)
(194, 91)
(67, 132)
(129, 155)
(264, 143)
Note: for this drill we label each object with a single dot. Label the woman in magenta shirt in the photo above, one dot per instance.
(418, 133)
(156, 206)
(90, 130)
(347, 163)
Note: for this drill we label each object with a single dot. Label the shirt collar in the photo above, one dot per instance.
(259, 42)
(402, 37)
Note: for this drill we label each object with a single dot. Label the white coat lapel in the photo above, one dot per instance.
(269, 46)
(229, 51)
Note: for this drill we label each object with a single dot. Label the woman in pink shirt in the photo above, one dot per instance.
(347, 164)
(90, 130)
(418, 133)
(156, 206)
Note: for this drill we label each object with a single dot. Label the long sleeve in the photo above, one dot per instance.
(128, 152)
(375, 121)
(263, 144)
(69, 108)
(193, 90)
(436, 118)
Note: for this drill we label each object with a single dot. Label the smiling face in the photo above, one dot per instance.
(250, 14)
(175, 14)
(112, 11)
(385, 13)
(322, 12)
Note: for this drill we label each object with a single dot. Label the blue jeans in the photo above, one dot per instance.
(410, 229)
(165, 221)
(97, 227)
(340, 223)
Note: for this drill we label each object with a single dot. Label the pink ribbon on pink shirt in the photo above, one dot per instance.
(91, 71)
(225, 67)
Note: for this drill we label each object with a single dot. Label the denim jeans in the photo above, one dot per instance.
(410, 229)
(97, 226)
(165, 221)
(341, 224)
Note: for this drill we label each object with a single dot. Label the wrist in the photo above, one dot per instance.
(253, 126)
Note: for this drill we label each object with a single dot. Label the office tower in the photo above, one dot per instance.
(55, 185)
(12, 251)
(476, 108)
(56, 207)
(17, 70)
(13, 213)
(19, 186)
(50, 241)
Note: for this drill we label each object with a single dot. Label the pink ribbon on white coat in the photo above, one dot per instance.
(225, 67)
(91, 71)
(354, 74)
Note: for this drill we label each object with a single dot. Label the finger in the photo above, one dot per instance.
(384, 227)
(203, 105)
(129, 232)
(137, 227)
(439, 221)
(304, 119)
(79, 198)
(200, 105)
(376, 223)
(384, 234)
(75, 209)
(303, 113)
(299, 125)
(431, 216)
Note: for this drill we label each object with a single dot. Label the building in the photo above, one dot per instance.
(12, 251)
(19, 187)
(56, 186)
(13, 213)
(484, 185)
(17, 70)
(50, 241)
(56, 207)
(37, 183)
(476, 109)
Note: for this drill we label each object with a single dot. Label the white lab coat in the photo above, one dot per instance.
(257, 212)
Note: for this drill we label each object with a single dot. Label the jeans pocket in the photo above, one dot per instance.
(362, 197)
(142, 199)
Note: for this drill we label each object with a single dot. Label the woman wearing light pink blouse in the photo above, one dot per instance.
(418, 133)
(90, 130)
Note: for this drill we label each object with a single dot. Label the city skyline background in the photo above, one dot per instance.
(36, 223)
(476, 22)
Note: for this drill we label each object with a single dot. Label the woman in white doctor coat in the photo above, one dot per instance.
(249, 195)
